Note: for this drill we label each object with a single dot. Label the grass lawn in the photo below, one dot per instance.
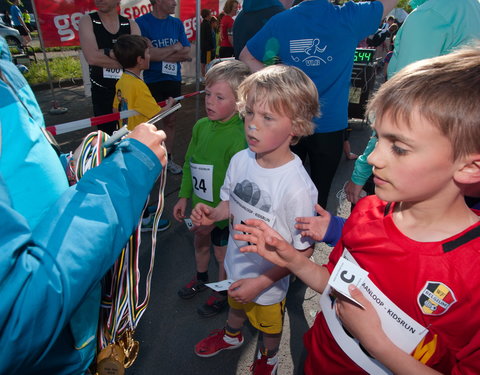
(61, 68)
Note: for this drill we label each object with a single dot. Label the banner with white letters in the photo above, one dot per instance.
(59, 19)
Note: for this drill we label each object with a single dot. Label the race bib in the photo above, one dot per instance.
(404, 331)
(241, 211)
(112, 73)
(202, 180)
(169, 68)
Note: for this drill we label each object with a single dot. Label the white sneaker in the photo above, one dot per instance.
(173, 167)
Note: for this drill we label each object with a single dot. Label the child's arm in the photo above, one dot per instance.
(267, 243)
(364, 325)
(206, 215)
(179, 209)
(245, 290)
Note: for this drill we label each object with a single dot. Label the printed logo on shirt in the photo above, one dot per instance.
(309, 52)
(435, 298)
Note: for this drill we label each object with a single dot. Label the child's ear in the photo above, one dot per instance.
(469, 172)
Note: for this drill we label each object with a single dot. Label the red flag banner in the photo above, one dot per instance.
(59, 19)
(188, 12)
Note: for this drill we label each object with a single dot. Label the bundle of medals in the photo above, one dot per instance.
(121, 308)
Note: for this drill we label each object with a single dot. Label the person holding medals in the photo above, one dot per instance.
(215, 139)
(266, 181)
(57, 242)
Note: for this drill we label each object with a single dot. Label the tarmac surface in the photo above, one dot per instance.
(171, 327)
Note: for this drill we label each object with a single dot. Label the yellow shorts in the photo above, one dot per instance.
(265, 318)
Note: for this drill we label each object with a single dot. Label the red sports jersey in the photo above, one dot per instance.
(435, 283)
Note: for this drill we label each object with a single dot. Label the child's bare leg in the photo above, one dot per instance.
(236, 319)
(271, 343)
(220, 252)
(201, 243)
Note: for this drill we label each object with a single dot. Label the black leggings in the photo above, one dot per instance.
(324, 151)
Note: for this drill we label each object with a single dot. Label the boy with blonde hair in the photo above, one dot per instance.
(267, 181)
(417, 239)
(215, 139)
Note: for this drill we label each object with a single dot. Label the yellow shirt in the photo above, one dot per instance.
(133, 93)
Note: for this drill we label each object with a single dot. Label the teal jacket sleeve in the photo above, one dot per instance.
(363, 170)
(45, 274)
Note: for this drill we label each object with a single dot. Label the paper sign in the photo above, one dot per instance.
(220, 285)
(344, 274)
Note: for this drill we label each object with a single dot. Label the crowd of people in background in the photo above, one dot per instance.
(275, 104)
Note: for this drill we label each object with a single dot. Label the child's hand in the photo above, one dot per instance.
(352, 190)
(363, 324)
(203, 215)
(265, 241)
(245, 290)
(179, 209)
(170, 103)
(314, 227)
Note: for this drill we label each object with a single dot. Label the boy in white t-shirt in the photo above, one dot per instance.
(269, 182)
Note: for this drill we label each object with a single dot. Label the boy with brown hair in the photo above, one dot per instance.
(132, 52)
(267, 181)
(417, 239)
(215, 139)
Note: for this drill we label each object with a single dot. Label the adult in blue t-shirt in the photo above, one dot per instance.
(320, 38)
(171, 46)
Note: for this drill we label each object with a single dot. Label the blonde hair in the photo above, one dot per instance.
(444, 90)
(228, 7)
(286, 90)
(231, 71)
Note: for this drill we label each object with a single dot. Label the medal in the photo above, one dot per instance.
(110, 361)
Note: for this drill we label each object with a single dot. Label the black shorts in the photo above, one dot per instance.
(164, 89)
(219, 236)
(21, 30)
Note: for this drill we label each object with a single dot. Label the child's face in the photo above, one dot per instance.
(144, 62)
(268, 132)
(412, 164)
(220, 101)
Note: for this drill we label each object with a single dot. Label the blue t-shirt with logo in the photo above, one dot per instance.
(320, 39)
(162, 33)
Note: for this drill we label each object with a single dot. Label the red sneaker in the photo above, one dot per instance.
(264, 365)
(216, 342)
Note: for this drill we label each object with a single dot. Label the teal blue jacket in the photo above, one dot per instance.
(56, 242)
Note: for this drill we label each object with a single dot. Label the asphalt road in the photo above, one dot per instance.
(171, 327)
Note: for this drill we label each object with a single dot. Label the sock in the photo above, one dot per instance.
(202, 276)
(269, 352)
(232, 332)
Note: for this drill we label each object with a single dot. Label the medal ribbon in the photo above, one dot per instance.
(121, 308)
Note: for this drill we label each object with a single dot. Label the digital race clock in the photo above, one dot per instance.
(363, 56)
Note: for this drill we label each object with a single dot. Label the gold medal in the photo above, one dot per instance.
(110, 360)
(130, 347)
